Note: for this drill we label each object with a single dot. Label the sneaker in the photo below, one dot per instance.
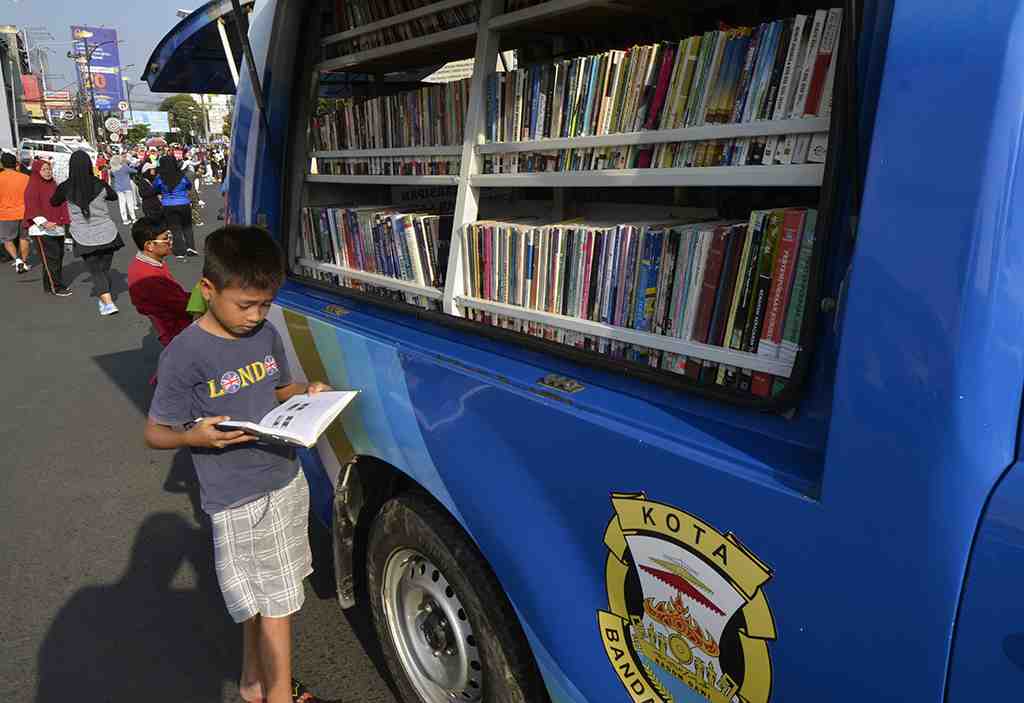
(108, 309)
(191, 252)
(62, 292)
(21, 267)
(181, 258)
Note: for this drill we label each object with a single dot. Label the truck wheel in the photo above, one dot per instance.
(446, 628)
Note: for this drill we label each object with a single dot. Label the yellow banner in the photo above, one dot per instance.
(613, 634)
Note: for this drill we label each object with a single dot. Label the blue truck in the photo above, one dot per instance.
(532, 525)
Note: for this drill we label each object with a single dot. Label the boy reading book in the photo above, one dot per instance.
(231, 364)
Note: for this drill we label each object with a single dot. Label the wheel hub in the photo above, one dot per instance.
(432, 634)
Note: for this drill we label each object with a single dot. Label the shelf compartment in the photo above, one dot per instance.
(432, 48)
(809, 175)
(385, 180)
(663, 136)
(390, 151)
(375, 279)
(393, 20)
(776, 367)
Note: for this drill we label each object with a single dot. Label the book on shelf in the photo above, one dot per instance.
(433, 115)
(389, 166)
(352, 14)
(727, 284)
(382, 240)
(779, 70)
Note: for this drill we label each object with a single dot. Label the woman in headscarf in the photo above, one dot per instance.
(173, 187)
(94, 232)
(46, 225)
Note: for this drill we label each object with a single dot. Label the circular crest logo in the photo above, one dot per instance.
(687, 619)
(270, 364)
(230, 382)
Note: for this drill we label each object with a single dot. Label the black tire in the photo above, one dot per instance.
(413, 521)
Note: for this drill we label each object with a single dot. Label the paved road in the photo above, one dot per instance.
(107, 590)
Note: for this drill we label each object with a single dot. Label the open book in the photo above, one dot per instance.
(299, 421)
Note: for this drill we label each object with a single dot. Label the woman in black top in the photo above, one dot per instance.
(93, 230)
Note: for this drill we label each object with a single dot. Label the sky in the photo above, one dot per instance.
(139, 23)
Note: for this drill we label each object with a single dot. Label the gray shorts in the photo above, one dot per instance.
(10, 230)
(261, 553)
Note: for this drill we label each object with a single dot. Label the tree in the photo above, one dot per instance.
(136, 133)
(228, 118)
(186, 115)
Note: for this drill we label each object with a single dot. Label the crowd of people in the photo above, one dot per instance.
(144, 182)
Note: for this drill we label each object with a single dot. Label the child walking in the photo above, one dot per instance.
(231, 364)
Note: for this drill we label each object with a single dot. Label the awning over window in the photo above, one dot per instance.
(191, 57)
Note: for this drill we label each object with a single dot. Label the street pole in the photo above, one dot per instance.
(92, 93)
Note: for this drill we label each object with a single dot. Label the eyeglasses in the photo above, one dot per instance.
(164, 238)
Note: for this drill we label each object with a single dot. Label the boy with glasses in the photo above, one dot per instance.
(152, 288)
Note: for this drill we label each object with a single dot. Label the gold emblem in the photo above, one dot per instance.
(687, 619)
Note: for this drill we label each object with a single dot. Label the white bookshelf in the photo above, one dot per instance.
(547, 11)
(771, 128)
(425, 11)
(391, 152)
(449, 45)
(375, 279)
(385, 180)
(395, 53)
(775, 367)
(763, 176)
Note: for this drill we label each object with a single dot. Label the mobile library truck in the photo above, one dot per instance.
(688, 335)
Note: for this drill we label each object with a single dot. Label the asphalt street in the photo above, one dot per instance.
(107, 589)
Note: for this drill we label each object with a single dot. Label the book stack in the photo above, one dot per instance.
(350, 14)
(382, 240)
(390, 166)
(779, 70)
(428, 116)
(735, 285)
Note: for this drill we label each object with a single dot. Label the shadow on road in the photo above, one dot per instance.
(141, 638)
(182, 479)
(131, 370)
(359, 618)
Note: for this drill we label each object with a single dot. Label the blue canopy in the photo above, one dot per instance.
(190, 58)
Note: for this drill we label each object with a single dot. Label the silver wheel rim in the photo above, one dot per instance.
(431, 632)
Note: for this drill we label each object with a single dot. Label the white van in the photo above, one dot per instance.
(56, 152)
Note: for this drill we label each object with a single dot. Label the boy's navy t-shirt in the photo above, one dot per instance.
(203, 375)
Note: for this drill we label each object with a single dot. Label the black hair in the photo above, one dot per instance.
(148, 228)
(82, 185)
(9, 160)
(243, 256)
(170, 172)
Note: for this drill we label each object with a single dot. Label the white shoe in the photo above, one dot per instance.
(108, 309)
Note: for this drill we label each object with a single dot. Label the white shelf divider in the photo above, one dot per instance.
(385, 180)
(425, 11)
(375, 279)
(439, 39)
(390, 151)
(766, 128)
(776, 367)
(467, 199)
(765, 176)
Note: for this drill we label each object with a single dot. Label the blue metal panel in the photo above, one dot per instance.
(930, 369)
(988, 652)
